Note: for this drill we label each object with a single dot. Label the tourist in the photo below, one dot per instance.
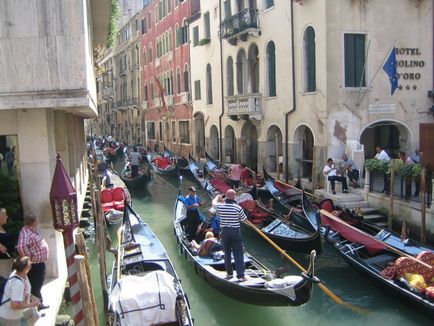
(332, 175)
(10, 158)
(385, 158)
(350, 168)
(135, 158)
(208, 246)
(234, 175)
(231, 216)
(32, 244)
(7, 245)
(415, 157)
(192, 221)
(18, 305)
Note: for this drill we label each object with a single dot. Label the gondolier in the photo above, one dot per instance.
(192, 222)
(135, 158)
(231, 215)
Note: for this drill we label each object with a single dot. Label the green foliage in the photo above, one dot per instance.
(113, 24)
(373, 165)
(405, 170)
(204, 41)
(10, 199)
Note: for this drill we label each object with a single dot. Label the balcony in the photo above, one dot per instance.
(240, 26)
(246, 106)
(168, 99)
(184, 97)
(157, 102)
(144, 105)
(157, 62)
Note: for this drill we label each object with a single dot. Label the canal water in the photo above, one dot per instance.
(155, 202)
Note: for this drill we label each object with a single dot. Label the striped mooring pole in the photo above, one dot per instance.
(74, 288)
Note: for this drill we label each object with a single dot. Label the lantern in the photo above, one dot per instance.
(63, 198)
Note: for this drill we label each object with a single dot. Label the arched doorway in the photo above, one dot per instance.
(303, 151)
(199, 130)
(229, 146)
(274, 160)
(214, 142)
(393, 136)
(249, 145)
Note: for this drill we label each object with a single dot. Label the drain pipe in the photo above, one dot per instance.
(293, 92)
(221, 86)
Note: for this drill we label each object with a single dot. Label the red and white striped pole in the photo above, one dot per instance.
(74, 287)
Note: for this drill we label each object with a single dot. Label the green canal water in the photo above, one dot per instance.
(154, 203)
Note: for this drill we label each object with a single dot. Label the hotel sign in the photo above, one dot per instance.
(381, 108)
(409, 61)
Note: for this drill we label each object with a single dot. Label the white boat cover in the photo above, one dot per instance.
(244, 197)
(145, 300)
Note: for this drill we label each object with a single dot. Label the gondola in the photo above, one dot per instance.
(287, 195)
(180, 160)
(201, 176)
(293, 231)
(139, 180)
(262, 287)
(212, 164)
(145, 289)
(162, 165)
(377, 260)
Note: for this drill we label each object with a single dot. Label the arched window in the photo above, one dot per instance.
(178, 80)
(171, 82)
(152, 89)
(170, 40)
(208, 84)
(186, 80)
(241, 71)
(145, 91)
(144, 55)
(150, 52)
(230, 76)
(309, 60)
(271, 69)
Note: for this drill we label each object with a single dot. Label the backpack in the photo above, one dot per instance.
(3, 281)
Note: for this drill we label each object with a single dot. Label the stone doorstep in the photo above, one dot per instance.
(52, 292)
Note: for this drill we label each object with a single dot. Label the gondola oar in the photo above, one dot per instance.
(326, 290)
(399, 252)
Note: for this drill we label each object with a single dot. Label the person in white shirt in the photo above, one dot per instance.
(332, 175)
(385, 158)
(135, 158)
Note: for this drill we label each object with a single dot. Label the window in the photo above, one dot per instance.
(150, 53)
(227, 6)
(184, 132)
(197, 89)
(309, 60)
(144, 56)
(354, 45)
(269, 4)
(161, 130)
(146, 91)
(208, 84)
(178, 35)
(186, 82)
(149, 20)
(152, 90)
(207, 30)
(150, 129)
(173, 131)
(170, 40)
(169, 6)
(178, 80)
(171, 83)
(271, 68)
(143, 26)
(230, 76)
(195, 35)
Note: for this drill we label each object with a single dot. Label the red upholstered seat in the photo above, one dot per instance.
(407, 265)
(118, 198)
(107, 199)
(220, 185)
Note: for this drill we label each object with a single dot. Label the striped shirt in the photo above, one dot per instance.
(32, 244)
(230, 214)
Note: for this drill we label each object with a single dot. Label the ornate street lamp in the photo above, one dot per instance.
(63, 199)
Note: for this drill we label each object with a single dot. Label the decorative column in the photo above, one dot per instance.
(63, 199)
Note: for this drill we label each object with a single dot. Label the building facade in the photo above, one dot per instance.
(46, 92)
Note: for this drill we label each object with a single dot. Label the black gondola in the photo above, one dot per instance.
(181, 160)
(139, 180)
(285, 194)
(145, 288)
(202, 176)
(293, 231)
(162, 165)
(261, 288)
(371, 256)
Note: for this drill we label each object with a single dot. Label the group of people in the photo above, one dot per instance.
(240, 174)
(22, 298)
(222, 231)
(348, 168)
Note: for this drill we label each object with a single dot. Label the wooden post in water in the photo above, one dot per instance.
(84, 289)
(422, 201)
(276, 149)
(99, 232)
(391, 188)
(82, 250)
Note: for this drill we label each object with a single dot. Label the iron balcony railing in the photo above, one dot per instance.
(238, 23)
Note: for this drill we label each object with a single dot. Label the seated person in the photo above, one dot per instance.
(208, 246)
(332, 175)
(350, 168)
(214, 222)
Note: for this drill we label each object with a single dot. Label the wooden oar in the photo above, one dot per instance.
(119, 234)
(327, 291)
(399, 252)
(287, 184)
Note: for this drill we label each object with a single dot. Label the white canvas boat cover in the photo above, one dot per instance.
(145, 300)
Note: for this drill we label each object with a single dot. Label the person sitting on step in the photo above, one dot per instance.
(332, 175)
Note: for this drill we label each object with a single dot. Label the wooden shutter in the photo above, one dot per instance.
(426, 141)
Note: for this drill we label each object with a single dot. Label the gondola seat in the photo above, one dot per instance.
(118, 198)
(405, 265)
(107, 199)
(258, 216)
